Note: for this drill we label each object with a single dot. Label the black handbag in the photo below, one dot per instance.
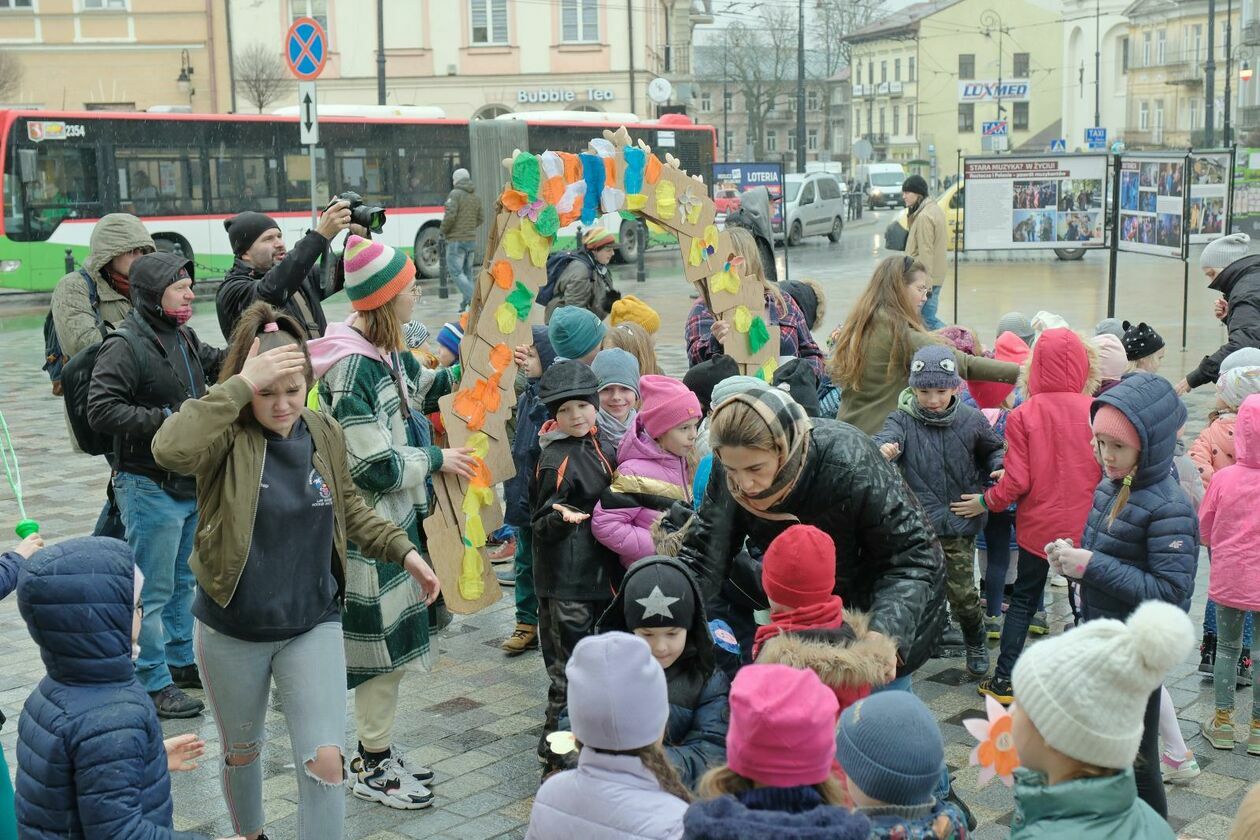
(895, 236)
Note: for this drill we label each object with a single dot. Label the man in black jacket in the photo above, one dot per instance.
(288, 280)
(145, 370)
(1236, 275)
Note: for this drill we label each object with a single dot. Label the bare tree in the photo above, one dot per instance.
(10, 76)
(261, 76)
(836, 20)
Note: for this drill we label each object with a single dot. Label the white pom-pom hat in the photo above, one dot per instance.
(1086, 691)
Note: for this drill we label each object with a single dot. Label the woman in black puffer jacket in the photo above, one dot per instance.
(1142, 539)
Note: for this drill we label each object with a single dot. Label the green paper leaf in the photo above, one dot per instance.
(758, 335)
(526, 175)
(548, 221)
(627, 215)
(521, 299)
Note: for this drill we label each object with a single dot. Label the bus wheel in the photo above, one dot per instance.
(1069, 254)
(427, 256)
(628, 242)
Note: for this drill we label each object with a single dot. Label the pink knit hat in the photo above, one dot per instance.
(1109, 420)
(783, 726)
(1111, 359)
(666, 403)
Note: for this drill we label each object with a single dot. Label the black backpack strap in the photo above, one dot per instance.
(94, 299)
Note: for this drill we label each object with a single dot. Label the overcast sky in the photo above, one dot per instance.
(727, 11)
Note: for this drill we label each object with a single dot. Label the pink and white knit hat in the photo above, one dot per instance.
(375, 273)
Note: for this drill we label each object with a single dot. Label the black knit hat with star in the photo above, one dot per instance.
(658, 595)
(1140, 341)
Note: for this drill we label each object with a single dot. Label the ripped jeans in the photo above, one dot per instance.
(309, 672)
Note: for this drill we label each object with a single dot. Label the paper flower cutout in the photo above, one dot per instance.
(478, 442)
(995, 754)
(531, 210)
(503, 274)
(513, 199)
(703, 247)
(518, 241)
(666, 203)
(553, 183)
(562, 743)
(690, 205)
(526, 175)
(727, 280)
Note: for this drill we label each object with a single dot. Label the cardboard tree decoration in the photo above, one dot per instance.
(544, 193)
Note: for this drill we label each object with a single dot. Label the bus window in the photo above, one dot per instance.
(243, 179)
(297, 173)
(156, 181)
(426, 175)
(67, 186)
(367, 172)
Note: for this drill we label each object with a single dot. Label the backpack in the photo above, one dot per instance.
(54, 358)
(556, 264)
(76, 379)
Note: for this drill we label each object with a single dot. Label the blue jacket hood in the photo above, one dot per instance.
(1157, 413)
(77, 598)
(727, 818)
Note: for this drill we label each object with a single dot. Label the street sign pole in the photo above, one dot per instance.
(305, 52)
(308, 126)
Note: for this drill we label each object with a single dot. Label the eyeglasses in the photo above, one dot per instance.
(414, 291)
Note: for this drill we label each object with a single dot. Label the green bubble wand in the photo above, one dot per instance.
(8, 454)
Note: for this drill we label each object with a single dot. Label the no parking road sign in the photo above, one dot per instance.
(306, 49)
(997, 128)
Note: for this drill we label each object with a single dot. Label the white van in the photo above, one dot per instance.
(814, 205)
(885, 180)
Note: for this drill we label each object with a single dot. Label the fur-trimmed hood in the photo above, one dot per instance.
(841, 667)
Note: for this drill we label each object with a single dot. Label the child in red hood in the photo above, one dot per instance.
(1050, 471)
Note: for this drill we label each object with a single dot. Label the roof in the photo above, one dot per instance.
(905, 21)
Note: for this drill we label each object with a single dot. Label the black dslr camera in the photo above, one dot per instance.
(364, 215)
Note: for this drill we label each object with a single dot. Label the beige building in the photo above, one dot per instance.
(117, 54)
(1167, 51)
(926, 79)
(481, 58)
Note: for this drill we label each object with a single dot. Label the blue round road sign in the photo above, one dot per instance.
(306, 49)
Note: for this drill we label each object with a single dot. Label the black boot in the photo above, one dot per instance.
(1244, 668)
(951, 642)
(977, 651)
(1207, 654)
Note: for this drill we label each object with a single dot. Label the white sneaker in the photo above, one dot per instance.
(1059, 581)
(384, 784)
(1177, 772)
(421, 774)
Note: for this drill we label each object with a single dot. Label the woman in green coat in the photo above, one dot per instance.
(871, 364)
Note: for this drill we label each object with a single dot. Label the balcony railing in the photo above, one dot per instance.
(1248, 117)
(1251, 33)
(670, 58)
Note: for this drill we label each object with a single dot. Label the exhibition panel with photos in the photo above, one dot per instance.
(1031, 202)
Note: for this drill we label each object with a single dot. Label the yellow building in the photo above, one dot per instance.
(925, 80)
(116, 54)
(1165, 78)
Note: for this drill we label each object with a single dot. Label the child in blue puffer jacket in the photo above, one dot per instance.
(91, 760)
(1141, 540)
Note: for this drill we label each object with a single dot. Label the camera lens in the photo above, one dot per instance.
(372, 218)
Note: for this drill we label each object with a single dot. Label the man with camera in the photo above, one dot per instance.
(290, 280)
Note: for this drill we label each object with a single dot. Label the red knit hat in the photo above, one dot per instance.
(1109, 420)
(799, 568)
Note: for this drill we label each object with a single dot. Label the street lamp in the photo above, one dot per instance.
(1244, 72)
(184, 81)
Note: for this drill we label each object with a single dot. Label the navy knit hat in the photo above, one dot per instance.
(890, 747)
(450, 337)
(574, 332)
(934, 367)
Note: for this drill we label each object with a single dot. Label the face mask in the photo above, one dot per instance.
(120, 283)
(179, 316)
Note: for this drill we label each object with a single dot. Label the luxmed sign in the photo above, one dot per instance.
(1012, 90)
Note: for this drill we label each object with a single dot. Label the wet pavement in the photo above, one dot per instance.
(475, 718)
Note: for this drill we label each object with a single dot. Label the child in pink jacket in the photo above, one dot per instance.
(1229, 526)
(1213, 449)
(652, 469)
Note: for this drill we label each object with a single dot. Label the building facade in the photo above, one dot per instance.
(117, 54)
(1095, 68)
(482, 58)
(1167, 54)
(926, 80)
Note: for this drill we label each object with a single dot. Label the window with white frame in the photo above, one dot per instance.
(1161, 46)
(791, 140)
(811, 100)
(1146, 49)
(728, 101)
(15, 4)
(811, 139)
(317, 9)
(94, 5)
(706, 102)
(579, 20)
(910, 120)
(1158, 130)
(911, 65)
(489, 22)
(772, 140)
(1144, 116)
(896, 69)
(896, 120)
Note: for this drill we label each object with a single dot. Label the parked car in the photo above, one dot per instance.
(726, 199)
(814, 205)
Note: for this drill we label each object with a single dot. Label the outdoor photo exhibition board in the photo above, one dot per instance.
(1034, 202)
(1152, 205)
(1210, 176)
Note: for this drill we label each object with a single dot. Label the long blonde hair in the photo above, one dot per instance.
(636, 341)
(739, 424)
(658, 764)
(722, 780)
(744, 244)
(884, 297)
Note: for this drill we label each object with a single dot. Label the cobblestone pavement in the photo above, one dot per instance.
(476, 717)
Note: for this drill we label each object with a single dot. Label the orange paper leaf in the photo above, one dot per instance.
(500, 357)
(610, 172)
(552, 190)
(652, 172)
(481, 474)
(513, 199)
(503, 274)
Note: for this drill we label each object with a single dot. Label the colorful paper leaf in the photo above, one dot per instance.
(636, 160)
(526, 175)
(521, 299)
(503, 274)
(471, 586)
(742, 319)
(505, 318)
(666, 203)
(525, 239)
(758, 334)
(548, 221)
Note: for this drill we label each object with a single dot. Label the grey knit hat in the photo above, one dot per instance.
(1110, 326)
(1221, 252)
(934, 367)
(615, 366)
(1018, 323)
(891, 748)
